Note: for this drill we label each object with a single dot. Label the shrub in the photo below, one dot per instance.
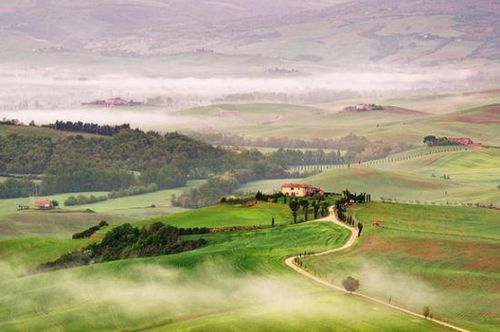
(350, 284)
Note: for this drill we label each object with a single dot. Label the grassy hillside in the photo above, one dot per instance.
(222, 284)
(38, 132)
(474, 177)
(294, 121)
(443, 257)
(65, 221)
(224, 215)
(429, 103)
(380, 183)
(29, 252)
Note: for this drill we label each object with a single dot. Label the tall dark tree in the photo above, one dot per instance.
(360, 228)
(294, 206)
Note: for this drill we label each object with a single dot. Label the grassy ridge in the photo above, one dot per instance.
(39, 132)
(474, 176)
(224, 215)
(29, 252)
(379, 183)
(444, 257)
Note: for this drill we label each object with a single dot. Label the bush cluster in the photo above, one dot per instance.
(127, 241)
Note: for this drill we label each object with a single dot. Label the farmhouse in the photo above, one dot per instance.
(298, 189)
(116, 102)
(461, 140)
(44, 204)
(362, 107)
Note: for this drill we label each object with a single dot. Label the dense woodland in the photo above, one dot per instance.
(128, 158)
(12, 188)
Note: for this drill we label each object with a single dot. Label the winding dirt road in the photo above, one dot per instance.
(354, 234)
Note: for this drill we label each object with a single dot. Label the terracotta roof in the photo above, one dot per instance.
(460, 140)
(43, 202)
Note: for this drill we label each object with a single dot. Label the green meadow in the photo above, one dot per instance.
(474, 176)
(225, 215)
(64, 221)
(238, 279)
(442, 257)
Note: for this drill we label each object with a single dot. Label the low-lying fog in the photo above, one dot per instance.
(51, 88)
(158, 293)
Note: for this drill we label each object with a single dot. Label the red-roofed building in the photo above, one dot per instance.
(44, 204)
(116, 102)
(299, 189)
(461, 140)
(362, 107)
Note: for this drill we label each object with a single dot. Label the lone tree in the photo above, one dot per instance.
(272, 222)
(294, 206)
(350, 284)
(427, 311)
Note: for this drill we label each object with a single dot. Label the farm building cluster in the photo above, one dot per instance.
(299, 189)
(113, 102)
(363, 108)
(42, 204)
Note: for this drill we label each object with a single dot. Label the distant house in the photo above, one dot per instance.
(461, 140)
(362, 107)
(298, 189)
(44, 204)
(117, 101)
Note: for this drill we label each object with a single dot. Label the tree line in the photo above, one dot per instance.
(87, 127)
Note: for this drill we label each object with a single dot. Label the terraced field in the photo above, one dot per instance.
(442, 257)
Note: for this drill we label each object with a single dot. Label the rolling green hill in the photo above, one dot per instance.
(324, 121)
(381, 183)
(173, 290)
(66, 221)
(443, 257)
(473, 173)
(225, 215)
